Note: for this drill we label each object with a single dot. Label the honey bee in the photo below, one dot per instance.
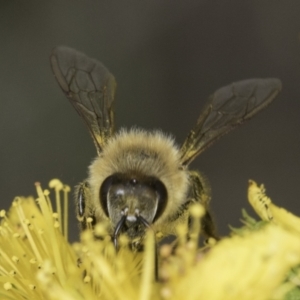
(140, 179)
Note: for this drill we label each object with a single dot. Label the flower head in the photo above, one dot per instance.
(37, 262)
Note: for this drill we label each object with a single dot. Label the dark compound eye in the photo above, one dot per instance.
(162, 197)
(106, 185)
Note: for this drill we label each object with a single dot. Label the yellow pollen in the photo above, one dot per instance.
(7, 286)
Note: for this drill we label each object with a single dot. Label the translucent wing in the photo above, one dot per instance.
(90, 87)
(228, 107)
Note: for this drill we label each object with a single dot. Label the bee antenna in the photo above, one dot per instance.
(144, 221)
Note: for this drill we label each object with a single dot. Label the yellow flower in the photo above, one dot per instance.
(268, 211)
(37, 262)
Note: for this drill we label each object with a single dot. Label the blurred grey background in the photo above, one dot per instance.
(167, 57)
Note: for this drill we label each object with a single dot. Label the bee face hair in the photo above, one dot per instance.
(141, 154)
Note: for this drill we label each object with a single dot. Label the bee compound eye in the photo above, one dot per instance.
(113, 184)
(103, 193)
(162, 197)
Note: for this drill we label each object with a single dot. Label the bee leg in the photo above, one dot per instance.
(208, 226)
(200, 193)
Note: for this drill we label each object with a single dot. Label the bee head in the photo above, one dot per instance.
(136, 200)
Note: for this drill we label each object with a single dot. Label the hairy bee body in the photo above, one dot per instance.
(143, 153)
(141, 179)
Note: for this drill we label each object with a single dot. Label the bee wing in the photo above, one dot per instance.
(90, 87)
(227, 108)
